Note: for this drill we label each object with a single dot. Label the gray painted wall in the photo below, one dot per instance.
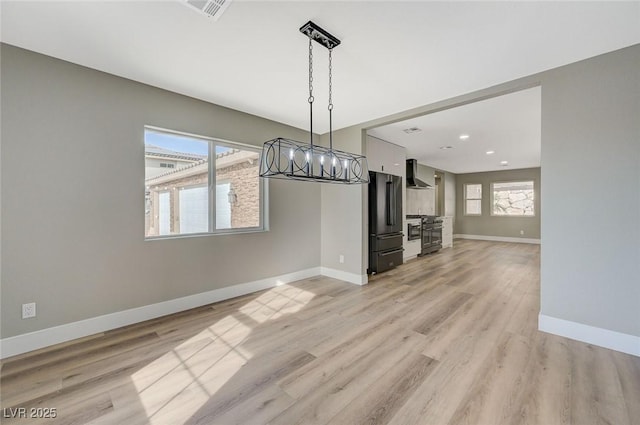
(439, 189)
(450, 194)
(343, 226)
(488, 225)
(73, 198)
(591, 197)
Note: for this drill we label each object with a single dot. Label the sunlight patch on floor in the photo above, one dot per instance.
(186, 377)
(276, 303)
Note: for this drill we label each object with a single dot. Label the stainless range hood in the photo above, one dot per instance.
(413, 182)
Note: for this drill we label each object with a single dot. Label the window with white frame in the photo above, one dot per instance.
(213, 186)
(473, 199)
(513, 199)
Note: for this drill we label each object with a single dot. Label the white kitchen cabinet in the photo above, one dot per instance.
(412, 248)
(386, 157)
(374, 154)
(447, 231)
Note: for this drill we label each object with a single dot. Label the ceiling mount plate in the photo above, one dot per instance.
(320, 35)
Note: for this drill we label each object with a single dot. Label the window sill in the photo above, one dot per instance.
(513, 216)
(199, 235)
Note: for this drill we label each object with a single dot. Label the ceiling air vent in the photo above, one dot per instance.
(210, 8)
(412, 130)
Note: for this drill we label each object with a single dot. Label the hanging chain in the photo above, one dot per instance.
(311, 95)
(330, 107)
(330, 82)
(310, 71)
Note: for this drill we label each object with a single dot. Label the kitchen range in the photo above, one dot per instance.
(430, 232)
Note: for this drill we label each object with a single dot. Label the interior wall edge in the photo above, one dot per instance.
(497, 238)
(357, 279)
(618, 341)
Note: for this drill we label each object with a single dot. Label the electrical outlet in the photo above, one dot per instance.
(28, 310)
(521, 232)
(341, 259)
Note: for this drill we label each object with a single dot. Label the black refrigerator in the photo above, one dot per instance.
(385, 222)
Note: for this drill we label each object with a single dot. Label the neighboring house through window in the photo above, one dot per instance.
(197, 185)
(473, 199)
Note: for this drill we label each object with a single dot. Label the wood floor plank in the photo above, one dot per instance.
(63, 365)
(249, 381)
(347, 328)
(449, 338)
(596, 391)
(330, 397)
(485, 318)
(546, 397)
(257, 410)
(524, 321)
(440, 312)
(486, 401)
(436, 400)
(346, 355)
(628, 368)
(380, 403)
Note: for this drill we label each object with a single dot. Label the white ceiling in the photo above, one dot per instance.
(394, 55)
(508, 125)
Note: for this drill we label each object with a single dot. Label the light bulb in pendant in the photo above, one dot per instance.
(291, 161)
(307, 167)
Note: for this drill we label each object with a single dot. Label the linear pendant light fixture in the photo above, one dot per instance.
(290, 159)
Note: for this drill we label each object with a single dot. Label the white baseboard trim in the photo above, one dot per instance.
(613, 340)
(46, 337)
(346, 276)
(497, 238)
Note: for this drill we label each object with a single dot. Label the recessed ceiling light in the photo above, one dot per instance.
(446, 147)
(490, 152)
(396, 164)
(435, 175)
(464, 136)
(412, 130)
(503, 163)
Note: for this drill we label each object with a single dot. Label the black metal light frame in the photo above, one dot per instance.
(293, 160)
(318, 34)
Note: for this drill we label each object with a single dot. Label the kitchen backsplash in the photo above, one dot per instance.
(421, 201)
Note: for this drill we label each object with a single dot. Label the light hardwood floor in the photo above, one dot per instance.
(446, 339)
